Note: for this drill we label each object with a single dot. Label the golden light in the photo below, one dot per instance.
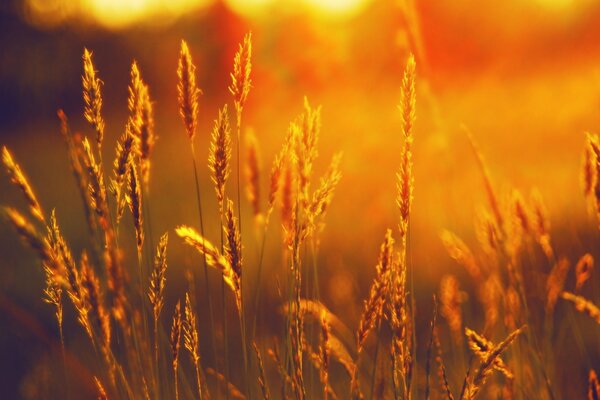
(338, 7)
(118, 13)
(250, 7)
(557, 4)
(112, 14)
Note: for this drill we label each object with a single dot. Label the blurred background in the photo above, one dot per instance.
(522, 75)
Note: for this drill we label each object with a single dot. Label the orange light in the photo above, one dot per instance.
(338, 7)
(109, 13)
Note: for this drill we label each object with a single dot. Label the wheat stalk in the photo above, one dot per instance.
(157, 287)
(487, 364)
(188, 91)
(583, 305)
(92, 97)
(460, 252)
(594, 386)
(481, 347)
(232, 391)
(373, 306)
(20, 181)
(405, 176)
(262, 377)
(253, 172)
(583, 270)
(125, 146)
(214, 258)
(556, 282)
(442, 376)
(100, 388)
(240, 77)
(76, 162)
(324, 355)
(450, 303)
(233, 250)
(220, 154)
(191, 341)
(175, 342)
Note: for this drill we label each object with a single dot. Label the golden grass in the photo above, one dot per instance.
(131, 355)
(188, 91)
(220, 154)
(92, 97)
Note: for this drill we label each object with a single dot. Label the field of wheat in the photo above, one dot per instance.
(209, 230)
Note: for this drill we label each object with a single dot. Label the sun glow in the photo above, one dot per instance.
(117, 14)
(339, 7)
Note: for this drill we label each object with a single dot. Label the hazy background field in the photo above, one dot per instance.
(523, 76)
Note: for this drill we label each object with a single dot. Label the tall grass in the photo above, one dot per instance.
(507, 353)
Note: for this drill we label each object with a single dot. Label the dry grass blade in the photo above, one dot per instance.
(98, 202)
(232, 391)
(124, 151)
(220, 154)
(451, 298)
(275, 178)
(481, 347)
(125, 146)
(405, 176)
(430, 349)
(262, 377)
(92, 96)
(583, 270)
(135, 205)
(191, 341)
(240, 78)
(489, 187)
(75, 151)
(188, 91)
(96, 186)
(319, 312)
(100, 388)
(520, 212)
(233, 242)
(322, 197)
(594, 386)
(588, 168)
(373, 306)
(324, 351)
(94, 301)
(487, 364)
(175, 342)
(253, 170)
(78, 285)
(40, 245)
(214, 258)
(460, 252)
(304, 136)
(53, 295)
(147, 137)
(541, 223)
(556, 282)
(594, 144)
(442, 376)
(157, 278)
(19, 180)
(134, 99)
(583, 305)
